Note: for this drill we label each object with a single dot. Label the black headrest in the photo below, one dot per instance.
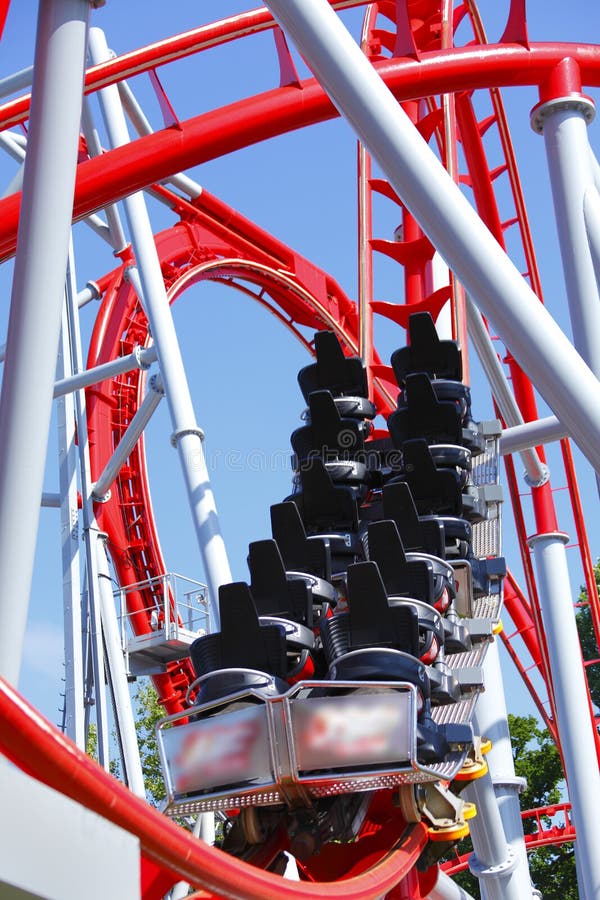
(324, 506)
(273, 594)
(299, 553)
(416, 534)
(372, 621)
(242, 641)
(342, 375)
(426, 352)
(401, 577)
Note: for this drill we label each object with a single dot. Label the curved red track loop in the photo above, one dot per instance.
(545, 835)
(155, 157)
(44, 752)
(205, 240)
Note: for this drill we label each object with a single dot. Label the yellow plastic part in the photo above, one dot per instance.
(471, 770)
(485, 746)
(455, 832)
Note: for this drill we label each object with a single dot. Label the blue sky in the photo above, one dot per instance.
(242, 365)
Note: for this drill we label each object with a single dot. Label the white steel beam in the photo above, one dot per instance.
(130, 438)
(36, 304)
(563, 122)
(591, 212)
(140, 359)
(491, 723)
(187, 436)
(93, 621)
(531, 434)
(573, 718)
(536, 473)
(542, 350)
(74, 717)
(117, 675)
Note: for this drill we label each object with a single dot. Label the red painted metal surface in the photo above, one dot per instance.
(546, 833)
(213, 240)
(44, 752)
(155, 157)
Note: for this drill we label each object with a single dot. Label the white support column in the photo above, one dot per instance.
(536, 473)
(93, 622)
(69, 527)
(591, 212)
(571, 697)
(187, 436)
(446, 889)
(563, 122)
(513, 869)
(125, 720)
(553, 365)
(36, 303)
(115, 229)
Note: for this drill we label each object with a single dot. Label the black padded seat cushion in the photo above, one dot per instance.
(242, 641)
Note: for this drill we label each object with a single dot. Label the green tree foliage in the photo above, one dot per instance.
(588, 640)
(536, 759)
(148, 713)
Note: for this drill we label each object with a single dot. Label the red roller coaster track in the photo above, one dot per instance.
(443, 88)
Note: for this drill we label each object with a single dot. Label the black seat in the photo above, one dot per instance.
(416, 575)
(402, 577)
(242, 642)
(273, 592)
(426, 534)
(324, 507)
(338, 441)
(424, 416)
(370, 621)
(434, 491)
(299, 552)
(426, 352)
(342, 375)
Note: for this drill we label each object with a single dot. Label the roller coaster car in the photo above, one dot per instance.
(250, 739)
(364, 642)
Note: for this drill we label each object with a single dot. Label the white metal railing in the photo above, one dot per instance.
(179, 604)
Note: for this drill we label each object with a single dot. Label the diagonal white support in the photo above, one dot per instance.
(187, 436)
(542, 350)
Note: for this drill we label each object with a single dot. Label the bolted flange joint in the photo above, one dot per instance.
(177, 435)
(102, 498)
(508, 865)
(537, 482)
(574, 103)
